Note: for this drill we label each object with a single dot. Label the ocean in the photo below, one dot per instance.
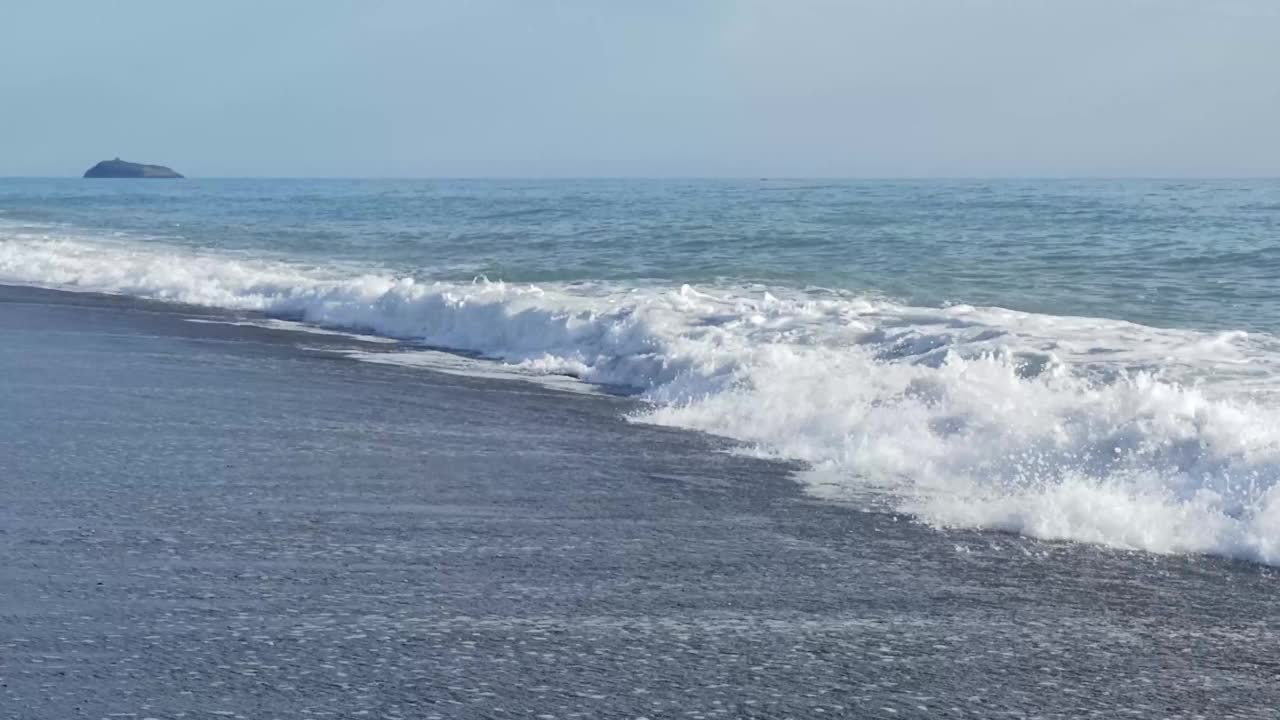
(1075, 360)
(749, 448)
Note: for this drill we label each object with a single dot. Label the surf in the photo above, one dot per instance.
(1056, 427)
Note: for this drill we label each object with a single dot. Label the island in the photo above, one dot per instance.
(121, 169)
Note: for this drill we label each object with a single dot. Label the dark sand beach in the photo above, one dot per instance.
(206, 520)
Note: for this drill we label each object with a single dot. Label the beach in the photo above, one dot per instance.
(205, 519)
(648, 361)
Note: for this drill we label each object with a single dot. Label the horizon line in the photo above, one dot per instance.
(756, 178)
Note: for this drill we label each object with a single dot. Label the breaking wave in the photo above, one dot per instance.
(1070, 428)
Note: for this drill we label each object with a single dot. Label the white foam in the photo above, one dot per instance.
(290, 326)
(1056, 427)
(455, 364)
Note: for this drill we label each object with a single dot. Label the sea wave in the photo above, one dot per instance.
(1084, 429)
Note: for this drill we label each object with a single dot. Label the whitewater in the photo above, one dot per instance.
(1056, 427)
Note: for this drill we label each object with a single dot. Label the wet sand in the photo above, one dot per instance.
(206, 520)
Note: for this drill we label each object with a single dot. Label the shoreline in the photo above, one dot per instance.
(216, 518)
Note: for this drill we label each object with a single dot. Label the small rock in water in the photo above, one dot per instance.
(118, 168)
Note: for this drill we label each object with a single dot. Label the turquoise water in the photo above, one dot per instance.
(1170, 253)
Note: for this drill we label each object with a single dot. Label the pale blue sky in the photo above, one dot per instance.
(644, 87)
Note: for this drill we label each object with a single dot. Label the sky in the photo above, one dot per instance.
(652, 88)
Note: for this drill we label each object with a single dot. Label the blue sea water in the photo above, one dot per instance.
(1068, 359)
(1174, 253)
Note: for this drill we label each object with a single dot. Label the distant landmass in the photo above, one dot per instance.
(121, 169)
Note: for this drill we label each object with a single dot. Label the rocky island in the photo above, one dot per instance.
(121, 169)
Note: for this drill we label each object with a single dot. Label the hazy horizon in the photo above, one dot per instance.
(817, 89)
(659, 178)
